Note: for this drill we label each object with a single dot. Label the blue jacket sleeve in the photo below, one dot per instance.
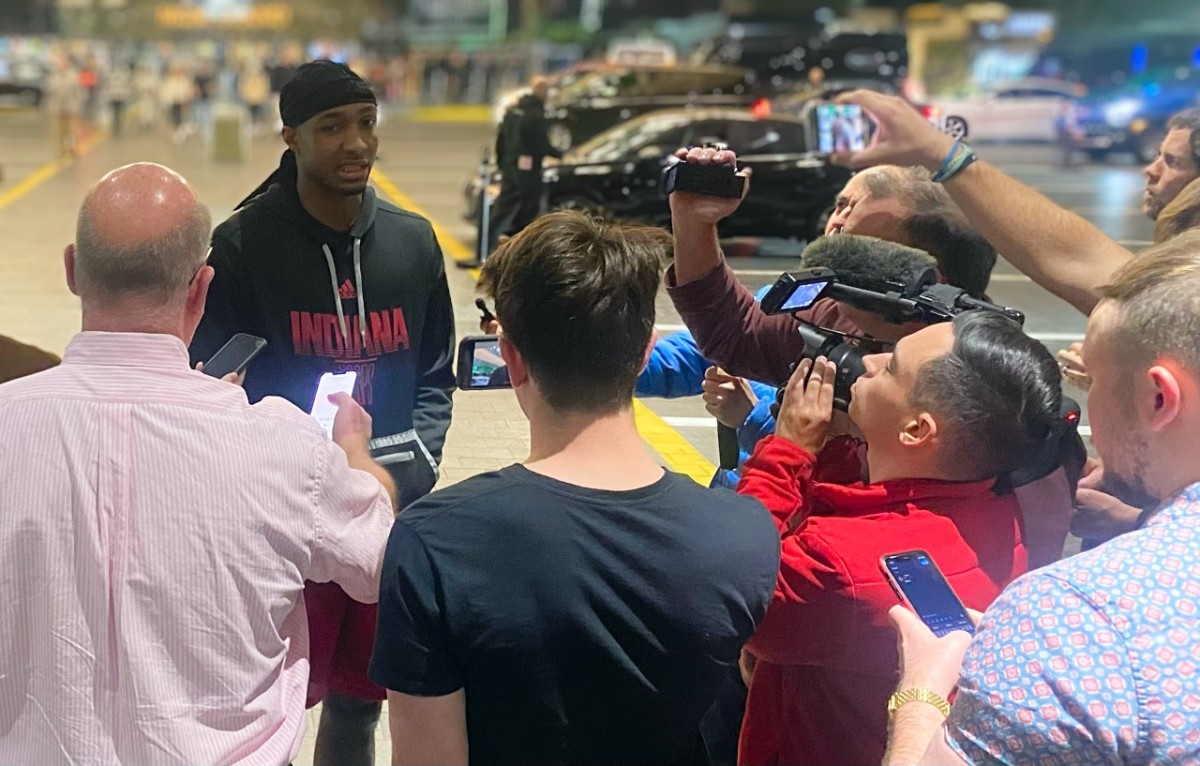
(760, 422)
(676, 368)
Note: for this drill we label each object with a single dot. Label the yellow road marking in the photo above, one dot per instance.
(46, 172)
(450, 244)
(452, 113)
(675, 450)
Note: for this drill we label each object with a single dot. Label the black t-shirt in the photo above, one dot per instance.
(587, 626)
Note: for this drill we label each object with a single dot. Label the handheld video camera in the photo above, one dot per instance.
(921, 298)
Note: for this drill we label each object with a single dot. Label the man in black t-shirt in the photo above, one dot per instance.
(584, 606)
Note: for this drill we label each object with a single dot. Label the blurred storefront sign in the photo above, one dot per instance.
(267, 16)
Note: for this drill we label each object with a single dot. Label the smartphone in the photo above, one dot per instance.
(920, 584)
(235, 355)
(480, 366)
(839, 128)
(331, 383)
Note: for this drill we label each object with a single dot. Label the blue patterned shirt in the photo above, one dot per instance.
(1092, 660)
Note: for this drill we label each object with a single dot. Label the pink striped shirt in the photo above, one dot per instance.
(156, 531)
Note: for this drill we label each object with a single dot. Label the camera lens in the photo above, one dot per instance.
(846, 357)
(850, 367)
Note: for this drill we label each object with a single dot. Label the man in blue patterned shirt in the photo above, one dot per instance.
(1094, 659)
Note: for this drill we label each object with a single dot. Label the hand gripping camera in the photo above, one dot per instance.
(922, 298)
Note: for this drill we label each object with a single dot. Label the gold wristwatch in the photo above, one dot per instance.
(917, 695)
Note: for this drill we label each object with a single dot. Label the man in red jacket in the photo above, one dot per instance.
(954, 406)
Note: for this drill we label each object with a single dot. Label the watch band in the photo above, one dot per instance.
(899, 699)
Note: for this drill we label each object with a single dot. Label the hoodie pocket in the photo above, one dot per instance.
(406, 460)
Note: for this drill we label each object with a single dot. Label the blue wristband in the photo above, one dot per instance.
(961, 158)
(949, 158)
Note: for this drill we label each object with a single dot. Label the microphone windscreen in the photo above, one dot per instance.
(867, 263)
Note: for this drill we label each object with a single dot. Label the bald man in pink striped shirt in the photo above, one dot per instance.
(156, 530)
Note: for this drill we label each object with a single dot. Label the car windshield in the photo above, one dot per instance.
(590, 84)
(621, 141)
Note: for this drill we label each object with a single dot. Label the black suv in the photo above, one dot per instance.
(618, 174)
(600, 100)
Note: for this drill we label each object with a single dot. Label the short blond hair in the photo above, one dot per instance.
(1158, 296)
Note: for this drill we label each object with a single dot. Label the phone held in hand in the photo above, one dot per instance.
(235, 355)
(480, 366)
(917, 580)
(839, 128)
(331, 383)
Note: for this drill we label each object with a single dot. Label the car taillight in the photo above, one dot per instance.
(930, 112)
(761, 108)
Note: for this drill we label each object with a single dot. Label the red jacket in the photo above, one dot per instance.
(827, 658)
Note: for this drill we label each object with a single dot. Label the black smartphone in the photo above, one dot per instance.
(920, 584)
(480, 366)
(839, 128)
(235, 355)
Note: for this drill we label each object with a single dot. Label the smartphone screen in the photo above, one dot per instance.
(803, 296)
(235, 355)
(331, 383)
(840, 128)
(917, 580)
(480, 365)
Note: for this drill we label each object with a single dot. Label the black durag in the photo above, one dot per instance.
(317, 87)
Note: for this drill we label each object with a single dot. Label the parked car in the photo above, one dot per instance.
(602, 99)
(1022, 110)
(20, 93)
(782, 55)
(618, 173)
(1134, 118)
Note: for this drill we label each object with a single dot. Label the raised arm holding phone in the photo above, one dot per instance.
(1057, 248)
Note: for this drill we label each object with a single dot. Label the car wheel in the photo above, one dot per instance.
(582, 204)
(560, 136)
(1145, 146)
(956, 126)
(1096, 155)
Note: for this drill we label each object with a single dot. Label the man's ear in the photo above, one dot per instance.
(1167, 389)
(198, 290)
(518, 373)
(920, 430)
(289, 137)
(649, 348)
(69, 267)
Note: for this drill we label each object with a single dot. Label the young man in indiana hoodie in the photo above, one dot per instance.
(336, 279)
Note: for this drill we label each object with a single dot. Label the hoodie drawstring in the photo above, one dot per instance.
(337, 295)
(358, 288)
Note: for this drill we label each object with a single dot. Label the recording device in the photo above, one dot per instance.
(480, 366)
(920, 298)
(712, 180)
(916, 298)
(922, 587)
(331, 383)
(235, 355)
(839, 128)
(485, 314)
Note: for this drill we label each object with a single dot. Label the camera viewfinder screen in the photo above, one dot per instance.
(841, 128)
(929, 593)
(803, 296)
(488, 369)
